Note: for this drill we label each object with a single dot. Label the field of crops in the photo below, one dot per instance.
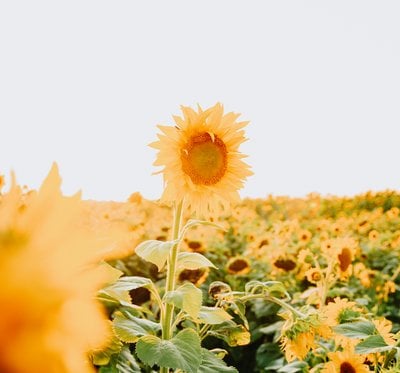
(198, 281)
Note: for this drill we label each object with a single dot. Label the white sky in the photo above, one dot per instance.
(84, 83)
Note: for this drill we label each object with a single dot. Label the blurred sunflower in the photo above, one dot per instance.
(201, 159)
(298, 335)
(339, 311)
(195, 276)
(238, 265)
(49, 319)
(384, 327)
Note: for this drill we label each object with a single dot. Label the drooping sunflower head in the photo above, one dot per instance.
(201, 159)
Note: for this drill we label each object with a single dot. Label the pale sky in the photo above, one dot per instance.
(84, 83)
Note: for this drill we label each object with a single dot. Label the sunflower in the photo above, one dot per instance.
(48, 316)
(345, 362)
(339, 311)
(298, 347)
(201, 159)
(384, 327)
(299, 335)
(195, 276)
(238, 265)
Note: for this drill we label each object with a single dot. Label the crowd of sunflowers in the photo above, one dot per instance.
(277, 284)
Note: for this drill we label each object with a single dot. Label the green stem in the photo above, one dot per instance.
(272, 299)
(166, 321)
(395, 274)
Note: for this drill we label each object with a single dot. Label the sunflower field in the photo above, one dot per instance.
(199, 281)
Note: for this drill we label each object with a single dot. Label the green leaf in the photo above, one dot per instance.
(193, 261)
(181, 352)
(113, 298)
(213, 315)
(269, 356)
(128, 283)
(266, 287)
(239, 309)
(358, 329)
(211, 364)
(294, 367)
(129, 328)
(187, 297)
(103, 356)
(372, 344)
(231, 333)
(112, 301)
(124, 362)
(155, 251)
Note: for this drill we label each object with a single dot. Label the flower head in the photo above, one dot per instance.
(345, 362)
(201, 159)
(48, 316)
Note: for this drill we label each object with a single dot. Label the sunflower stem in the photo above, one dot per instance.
(166, 321)
(272, 299)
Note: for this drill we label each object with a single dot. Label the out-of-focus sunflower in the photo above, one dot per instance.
(238, 265)
(299, 335)
(339, 311)
(201, 159)
(195, 276)
(384, 327)
(49, 318)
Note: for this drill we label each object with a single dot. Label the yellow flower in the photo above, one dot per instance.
(384, 326)
(298, 335)
(340, 311)
(314, 275)
(285, 263)
(195, 276)
(201, 159)
(343, 251)
(49, 319)
(299, 346)
(393, 213)
(238, 265)
(373, 235)
(345, 362)
(304, 235)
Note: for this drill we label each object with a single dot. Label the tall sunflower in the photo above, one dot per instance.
(201, 158)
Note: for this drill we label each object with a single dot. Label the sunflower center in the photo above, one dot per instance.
(204, 159)
(238, 265)
(344, 259)
(346, 367)
(286, 264)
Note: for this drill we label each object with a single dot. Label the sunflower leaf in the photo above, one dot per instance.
(181, 352)
(358, 329)
(266, 287)
(155, 251)
(193, 261)
(213, 315)
(372, 344)
(129, 328)
(210, 363)
(231, 333)
(187, 297)
(103, 356)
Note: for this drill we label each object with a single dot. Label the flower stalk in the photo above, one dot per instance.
(167, 315)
